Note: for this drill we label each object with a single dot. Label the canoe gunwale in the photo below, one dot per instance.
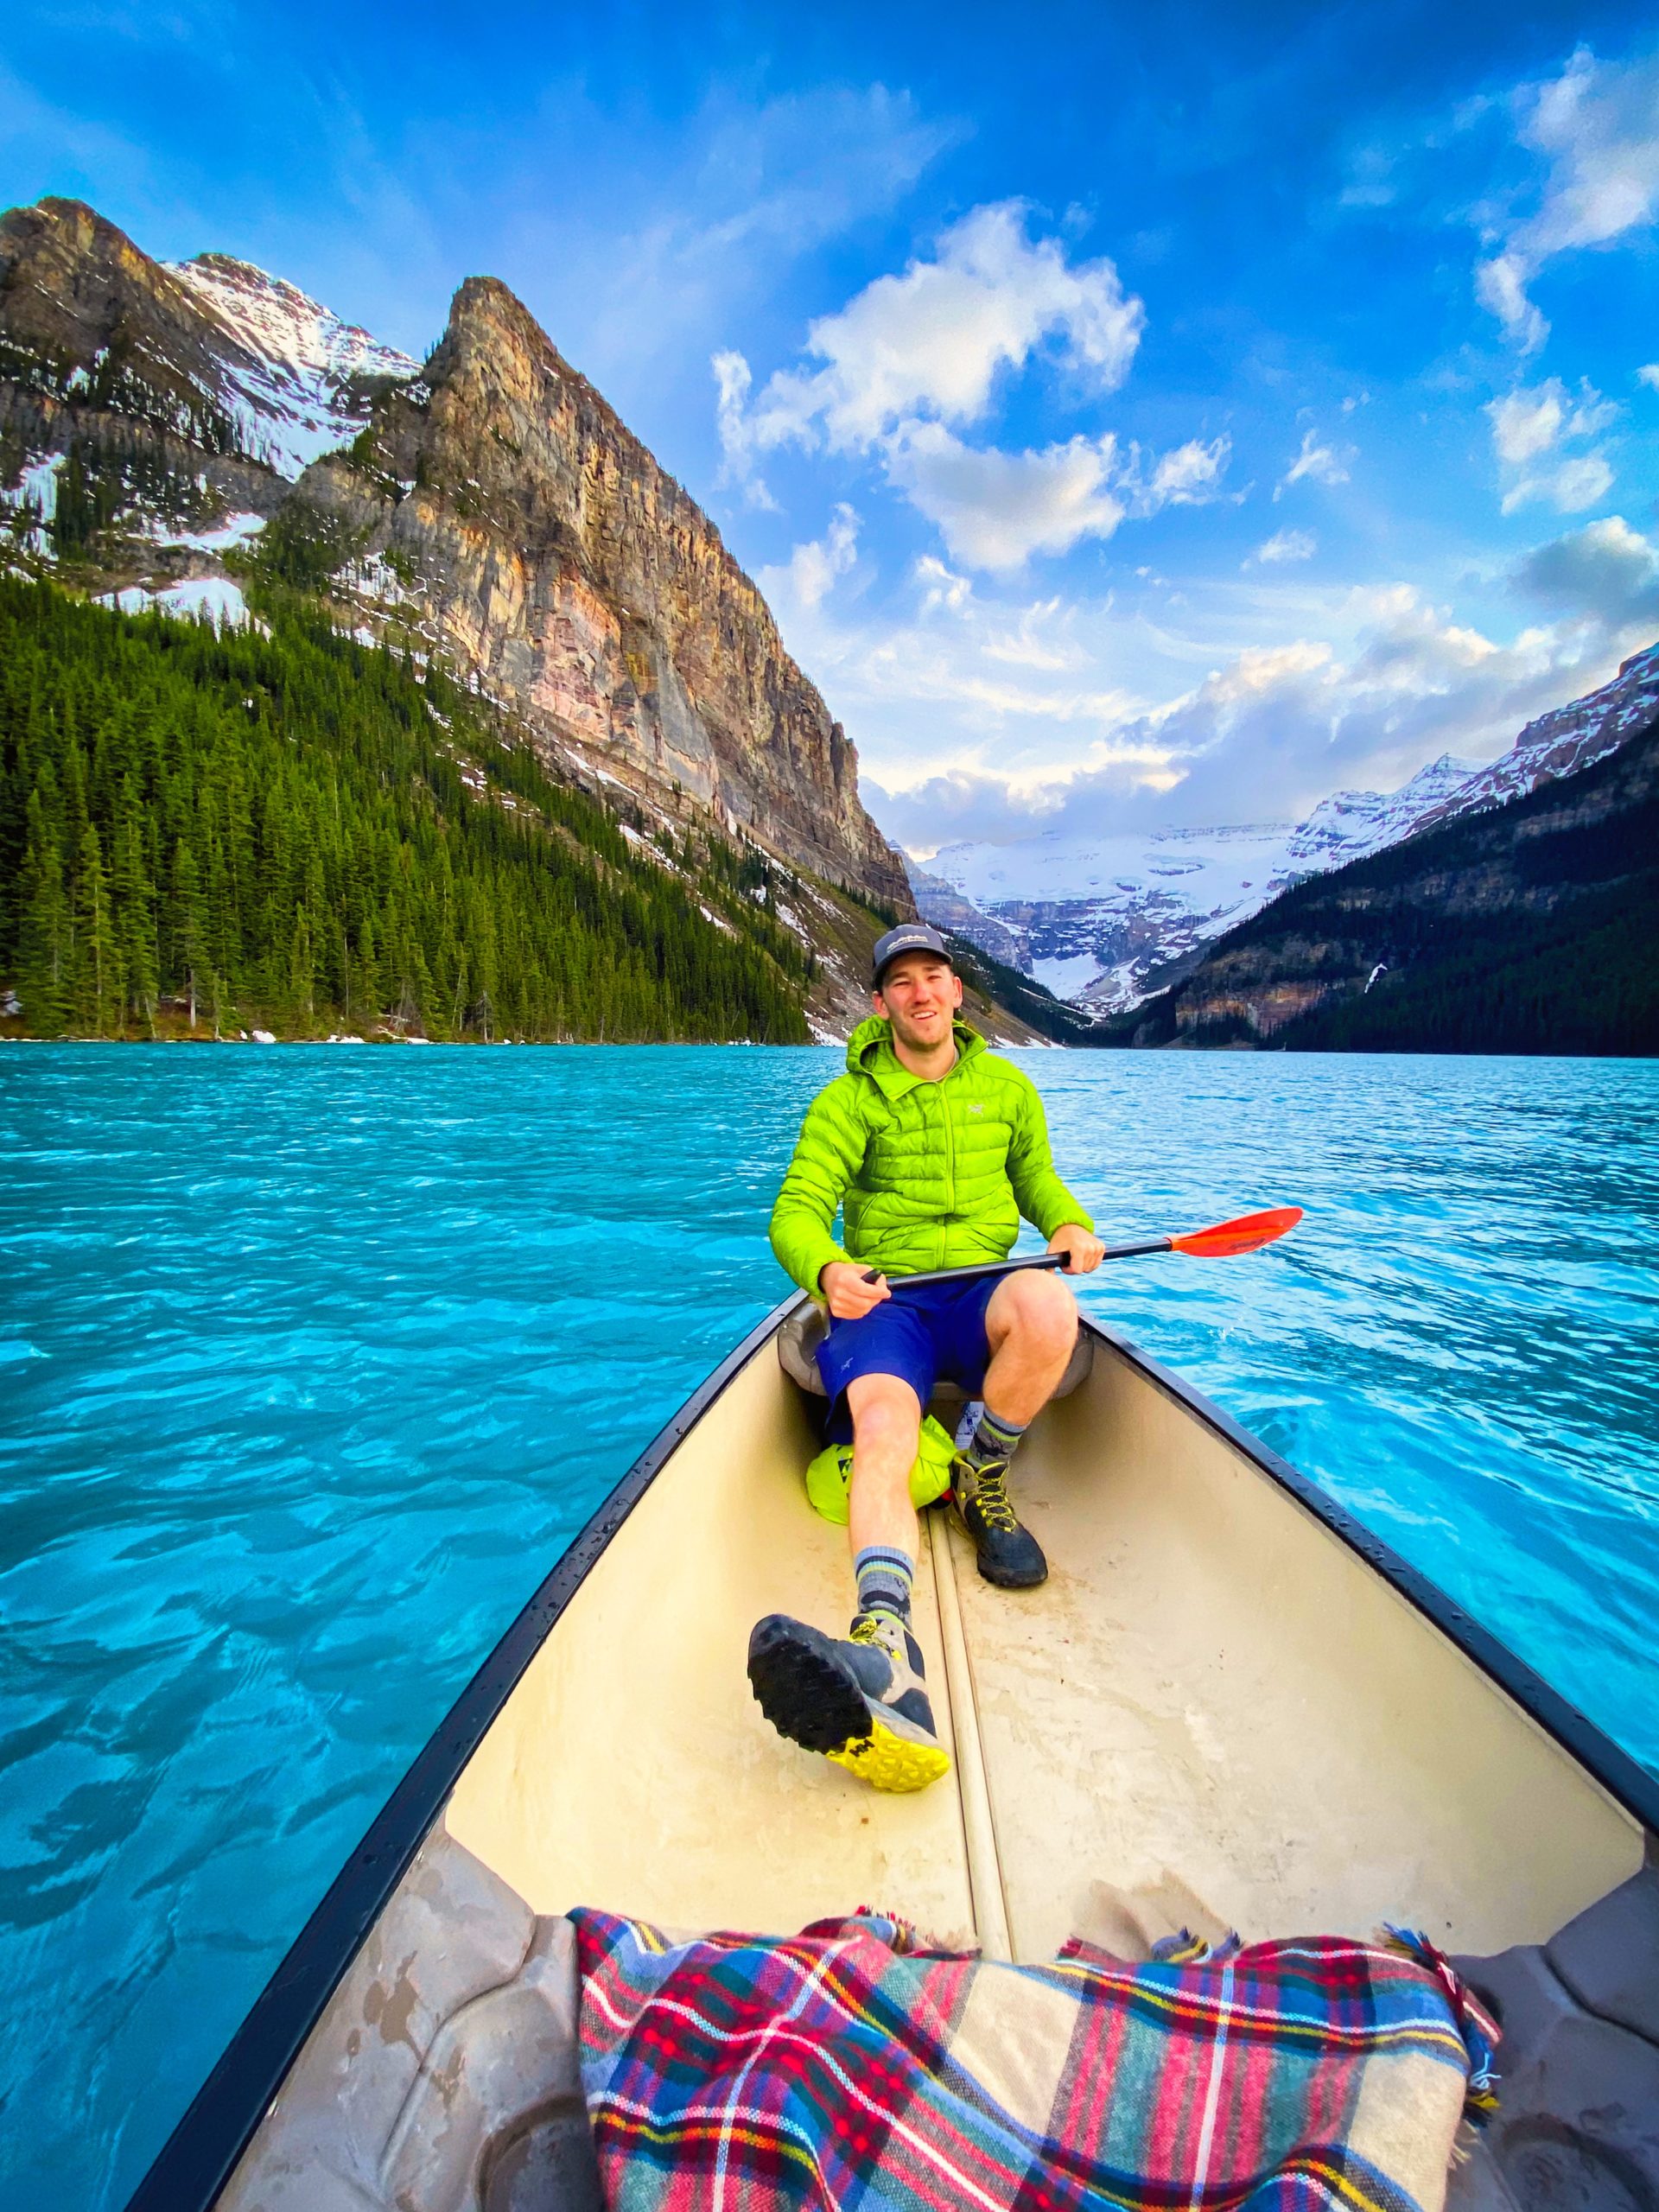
(200, 2155)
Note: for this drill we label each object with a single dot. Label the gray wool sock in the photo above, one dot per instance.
(992, 1440)
(886, 1577)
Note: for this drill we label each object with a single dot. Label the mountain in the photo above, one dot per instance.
(1531, 925)
(203, 437)
(1106, 922)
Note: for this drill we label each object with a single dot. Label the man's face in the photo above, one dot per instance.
(919, 994)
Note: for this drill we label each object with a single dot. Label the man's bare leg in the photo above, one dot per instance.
(887, 1436)
(1031, 1325)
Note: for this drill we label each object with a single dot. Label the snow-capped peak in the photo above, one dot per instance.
(1349, 824)
(299, 378)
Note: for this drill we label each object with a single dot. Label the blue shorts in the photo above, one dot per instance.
(931, 1334)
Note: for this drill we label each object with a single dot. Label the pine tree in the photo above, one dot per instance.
(190, 927)
(94, 980)
(43, 937)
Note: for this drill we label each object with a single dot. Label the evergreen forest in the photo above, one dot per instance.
(203, 832)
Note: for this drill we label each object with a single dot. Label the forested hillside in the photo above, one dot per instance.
(202, 832)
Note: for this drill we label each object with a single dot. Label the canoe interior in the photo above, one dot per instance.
(1214, 1712)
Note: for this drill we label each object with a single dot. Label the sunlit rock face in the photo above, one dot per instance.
(549, 551)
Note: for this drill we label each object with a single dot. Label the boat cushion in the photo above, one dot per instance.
(850, 2066)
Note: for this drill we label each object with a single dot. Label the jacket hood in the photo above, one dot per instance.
(869, 1051)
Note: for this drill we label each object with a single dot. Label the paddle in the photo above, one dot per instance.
(1224, 1242)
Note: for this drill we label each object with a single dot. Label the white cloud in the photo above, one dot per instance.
(940, 587)
(1607, 572)
(1649, 375)
(1284, 545)
(1501, 288)
(814, 568)
(1318, 462)
(915, 358)
(1596, 126)
(1269, 733)
(1575, 485)
(1526, 422)
(930, 343)
(1529, 424)
(1190, 476)
(732, 382)
(994, 509)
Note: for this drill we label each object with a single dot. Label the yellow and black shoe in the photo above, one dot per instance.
(1008, 1555)
(861, 1700)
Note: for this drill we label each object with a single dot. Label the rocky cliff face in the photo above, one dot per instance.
(162, 428)
(547, 549)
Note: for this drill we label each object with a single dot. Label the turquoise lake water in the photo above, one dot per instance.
(311, 1361)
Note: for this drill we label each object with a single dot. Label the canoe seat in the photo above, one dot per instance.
(801, 1333)
(444, 2075)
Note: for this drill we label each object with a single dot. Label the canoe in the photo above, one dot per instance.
(1230, 1706)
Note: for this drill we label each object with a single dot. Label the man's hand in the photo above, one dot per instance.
(850, 1297)
(1084, 1252)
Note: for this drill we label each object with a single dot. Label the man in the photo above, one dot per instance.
(933, 1147)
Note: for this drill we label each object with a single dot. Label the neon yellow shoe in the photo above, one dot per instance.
(861, 1699)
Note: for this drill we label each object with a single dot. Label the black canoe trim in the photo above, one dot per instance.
(1619, 1775)
(198, 2158)
(201, 2153)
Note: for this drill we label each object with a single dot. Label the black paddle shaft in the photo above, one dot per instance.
(1035, 1260)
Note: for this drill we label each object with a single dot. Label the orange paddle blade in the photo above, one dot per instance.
(1247, 1234)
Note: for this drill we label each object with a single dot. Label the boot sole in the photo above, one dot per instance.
(810, 1699)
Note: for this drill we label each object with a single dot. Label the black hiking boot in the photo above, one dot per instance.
(861, 1700)
(1009, 1555)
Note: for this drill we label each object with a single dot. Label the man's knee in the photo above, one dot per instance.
(887, 1423)
(1038, 1317)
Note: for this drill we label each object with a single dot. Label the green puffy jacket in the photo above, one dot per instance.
(929, 1174)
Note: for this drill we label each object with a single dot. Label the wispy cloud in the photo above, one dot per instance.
(1318, 461)
(1595, 128)
(1284, 545)
(1529, 425)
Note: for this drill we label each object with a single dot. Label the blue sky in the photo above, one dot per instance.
(1135, 417)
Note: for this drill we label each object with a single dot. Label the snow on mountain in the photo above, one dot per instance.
(1564, 740)
(1101, 920)
(1105, 921)
(299, 380)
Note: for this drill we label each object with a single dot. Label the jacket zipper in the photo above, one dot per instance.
(949, 1169)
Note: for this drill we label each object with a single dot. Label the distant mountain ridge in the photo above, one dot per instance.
(1530, 925)
(1106, 922)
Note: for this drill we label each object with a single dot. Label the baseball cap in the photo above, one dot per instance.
(909, 937)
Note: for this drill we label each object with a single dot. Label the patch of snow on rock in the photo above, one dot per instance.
(235, 530)
(215, 596)
(297, 377)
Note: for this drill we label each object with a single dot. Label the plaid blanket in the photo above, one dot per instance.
(849, 2066)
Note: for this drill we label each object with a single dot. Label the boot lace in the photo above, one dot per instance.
(990, 1495)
